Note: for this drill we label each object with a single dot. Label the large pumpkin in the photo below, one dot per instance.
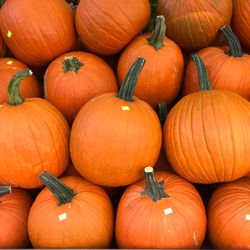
(33, 137)
(107, 26)
(37, 31)
(14, 210)
(8, 68)
(3, 48)
(165, 211)
(195, 24)
(115, 135)
(74, 78)
(70, 213)
(207, 134)
(160, 79)
(229, 215)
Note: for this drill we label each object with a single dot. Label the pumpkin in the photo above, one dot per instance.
(15, 204)
(227, 68)
(207, 134)
(160, 79)
(33, 137)
(115, 135)
(107, 26)
(195, 24)
(229, 215)
(8, 68)
(74, 78)
(3, 48)
(70, 213)
(36, 32)
(162, 211)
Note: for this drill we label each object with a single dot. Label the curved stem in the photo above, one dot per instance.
(5, 190)
(202, 72)
(126, 91)
(162, 111)
(154, 189)
(14, 95)
(63, 193)
(235, 49)
(71, 63)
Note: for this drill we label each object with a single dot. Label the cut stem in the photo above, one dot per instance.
(162, 110)
(71, 63)
(5, 190)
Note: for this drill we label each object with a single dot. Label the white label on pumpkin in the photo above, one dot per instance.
(124, 108)
(62, 217)
(248, 217)
(168, 211)
(9, 62)
(9, 34)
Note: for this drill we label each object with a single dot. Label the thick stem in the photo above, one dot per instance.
(158, 34)
(126, 91)
(63, 193)
(154, 189)
(235, 49)
(204, 82)
(5, 190)
(2, 3)
(71, 63)
(162, 111)
(153, 13)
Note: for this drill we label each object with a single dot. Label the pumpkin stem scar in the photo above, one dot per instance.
(5, 190)
(154, 189)
(71, 63)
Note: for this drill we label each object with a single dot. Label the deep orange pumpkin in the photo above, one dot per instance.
(70, 213)
(115, 135)
(229, 215)
(207, 134)
(164, 212)
(14, 209)
(33, 137)
(3, 47)
(74, 78)
(36, 32)
(195, 24)
(107, 26)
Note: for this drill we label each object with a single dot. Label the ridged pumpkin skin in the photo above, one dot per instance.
(178, 221)
(14, 211)
(36, 32)
(3, 48)
(89, 222)
(195, 24)
(229, 215)
(8, 68)
(107, 26)
(69, 91)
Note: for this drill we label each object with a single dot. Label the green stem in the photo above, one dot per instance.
(162, 111)
(5, 190)
(71, 63)
(235, 49)
(158, 35)
(204, 82)
(153, 13)
(14, 95)
(126, 91)
(62, 192)
(2, 3)
(154, 189)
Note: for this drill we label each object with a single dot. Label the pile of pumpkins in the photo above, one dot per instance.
(125, 124)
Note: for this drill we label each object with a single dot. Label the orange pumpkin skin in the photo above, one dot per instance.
(3, 48)
(8, 68)
(195, 24)
(36, 37)
(69, 91)
(142, 223)
(228, 215)
(14, 210)
(89, 222)
(107, 26)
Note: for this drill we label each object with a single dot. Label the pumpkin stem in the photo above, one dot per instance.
(73, 3)
(14, 95)
(158, 34)
(63, 193)
(162, 111)
(2, 3)
(71, 63)
(202, 72)
(154, 189)
(153, 13)
(5, 190)
(126, 91)
(235, 49)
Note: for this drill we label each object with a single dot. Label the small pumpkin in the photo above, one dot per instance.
(3, 48)
(70, 213)
(115, 135)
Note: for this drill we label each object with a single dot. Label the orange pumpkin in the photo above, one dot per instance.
(107, 26)
(36, 32)
(74, 78)
(195, 24)
(115, 135)
(160, 79)
(76, 212)
(229, 215)
(33, 137)
(207, 134)
(14, 209)
(3, 48)
(8, 68)
(167, 213)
